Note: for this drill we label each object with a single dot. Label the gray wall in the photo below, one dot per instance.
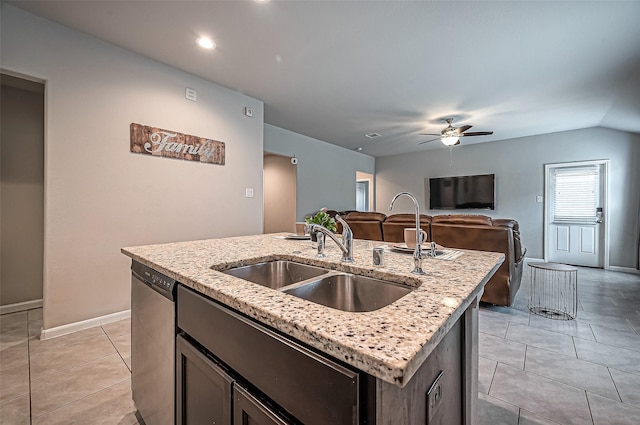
(519, 168)
(99, 196)
(326, 173)
(22, 194)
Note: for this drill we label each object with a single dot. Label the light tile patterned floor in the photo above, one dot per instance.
(80, 378)
(533, 370)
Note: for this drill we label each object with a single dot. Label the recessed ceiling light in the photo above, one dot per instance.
(261, 1)
(206, 43)
(358, 149)
(372, 135)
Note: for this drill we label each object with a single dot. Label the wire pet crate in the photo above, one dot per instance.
(553, 290)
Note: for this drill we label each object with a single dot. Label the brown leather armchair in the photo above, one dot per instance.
(393, 226)
(366, 225)
(481, 233)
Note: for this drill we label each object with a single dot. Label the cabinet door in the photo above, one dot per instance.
(248, 410)
(203, 393)
(311, 387)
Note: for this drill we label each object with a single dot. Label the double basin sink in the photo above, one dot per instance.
(339, 290)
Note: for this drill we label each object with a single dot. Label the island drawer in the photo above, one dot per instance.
(314, 389)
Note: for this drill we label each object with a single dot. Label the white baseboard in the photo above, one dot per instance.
(624, 269)
(533, 260)
(611, 268)
(27, 305)
(85, 324)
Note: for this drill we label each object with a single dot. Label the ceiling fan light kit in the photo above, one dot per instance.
(450, 135)
(450, 140)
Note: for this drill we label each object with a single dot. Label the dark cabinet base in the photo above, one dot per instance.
(311, 388)
(269, 379)
(207, 395)
(203, 389)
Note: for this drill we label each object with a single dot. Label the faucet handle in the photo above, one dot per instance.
(320, 237)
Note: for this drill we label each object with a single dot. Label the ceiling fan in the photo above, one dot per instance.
(450, 136)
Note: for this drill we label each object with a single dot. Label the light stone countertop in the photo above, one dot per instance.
(390, 343)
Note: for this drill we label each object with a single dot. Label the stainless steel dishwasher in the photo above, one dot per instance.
(153, 333)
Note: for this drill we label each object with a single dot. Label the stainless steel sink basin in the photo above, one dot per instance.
(348, 292)
(276, 274)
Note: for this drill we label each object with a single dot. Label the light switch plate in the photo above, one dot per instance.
(248, 193)
(539, 199)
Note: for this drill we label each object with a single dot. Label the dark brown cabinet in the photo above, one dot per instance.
(232, 370)
(203, 393)
(249, 410)
(207, 395)
(311, 388)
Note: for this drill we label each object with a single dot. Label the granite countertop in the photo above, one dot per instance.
(390, 343)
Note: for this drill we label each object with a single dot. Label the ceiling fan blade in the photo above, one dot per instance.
(429, 134)
(459, 130)
(427, 141)
(478, 133)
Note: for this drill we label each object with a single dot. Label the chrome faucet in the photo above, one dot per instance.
(417, 253)
(347, 239)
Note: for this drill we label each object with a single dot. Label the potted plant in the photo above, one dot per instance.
(323, 219)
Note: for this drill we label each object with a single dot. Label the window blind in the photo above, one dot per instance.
(576, 194)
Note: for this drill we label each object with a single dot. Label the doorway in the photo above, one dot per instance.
(576, 228)
(21, 193)
(364, 191)
(280, 184)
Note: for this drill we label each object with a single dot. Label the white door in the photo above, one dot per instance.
(362, 195)
(575, 208)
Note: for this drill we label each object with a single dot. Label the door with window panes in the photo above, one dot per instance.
(575, 195)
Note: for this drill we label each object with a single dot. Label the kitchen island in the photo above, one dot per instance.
(392, 346)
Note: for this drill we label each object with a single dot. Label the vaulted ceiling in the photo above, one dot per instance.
(337, 70)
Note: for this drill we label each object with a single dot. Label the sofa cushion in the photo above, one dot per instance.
(366, 225)
(366, 216)
(407, 218)
(393, 226)
(501, 289)
(470, 219)
(506, 222)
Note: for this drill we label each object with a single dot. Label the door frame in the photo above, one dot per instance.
(362, 176)
(38, 303)
(605, 203)
(283, 165)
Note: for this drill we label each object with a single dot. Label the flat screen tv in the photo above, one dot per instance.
(462, 192)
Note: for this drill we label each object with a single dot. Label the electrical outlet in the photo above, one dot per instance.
(539, 199)
(248, 193)
(248, 111)
(434, 397)
(191, 94)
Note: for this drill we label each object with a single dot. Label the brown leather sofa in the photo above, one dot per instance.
(480, 232)
(366, 225)
(463, 231)
(393, 226)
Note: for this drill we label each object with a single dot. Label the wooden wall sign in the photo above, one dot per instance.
(170, 144)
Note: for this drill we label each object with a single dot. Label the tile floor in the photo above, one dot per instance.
(533, 370)
(80, 378)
